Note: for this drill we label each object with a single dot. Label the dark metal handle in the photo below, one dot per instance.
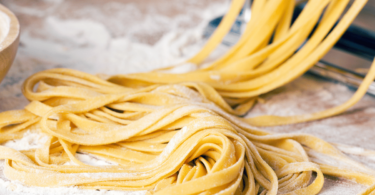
(356, 40)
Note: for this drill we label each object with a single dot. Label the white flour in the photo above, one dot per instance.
(30, 140)
(14, 188)
(4, 26)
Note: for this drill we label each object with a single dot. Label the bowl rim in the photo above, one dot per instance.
(14, 29)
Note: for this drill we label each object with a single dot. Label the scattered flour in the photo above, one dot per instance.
(15, 188)
(92, 160)
(215, 77)
(30, 140)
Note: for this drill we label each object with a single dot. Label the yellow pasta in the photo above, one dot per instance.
(181, 133)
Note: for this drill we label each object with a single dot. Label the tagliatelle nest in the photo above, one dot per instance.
(180, 133)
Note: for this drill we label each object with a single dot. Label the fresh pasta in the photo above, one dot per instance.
(183, 133)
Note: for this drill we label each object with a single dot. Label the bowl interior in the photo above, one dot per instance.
(4, 26)
(9, 37)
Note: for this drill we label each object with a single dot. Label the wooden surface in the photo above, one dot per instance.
(106, 36)
(8, 47)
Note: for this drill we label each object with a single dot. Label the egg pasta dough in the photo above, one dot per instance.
(183, 133)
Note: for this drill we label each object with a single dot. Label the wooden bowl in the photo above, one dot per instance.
(9, 38)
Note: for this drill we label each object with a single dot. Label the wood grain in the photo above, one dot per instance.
(8, 48)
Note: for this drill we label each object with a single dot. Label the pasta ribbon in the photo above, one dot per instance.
(183, 133)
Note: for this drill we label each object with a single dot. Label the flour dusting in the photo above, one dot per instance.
(30, 140)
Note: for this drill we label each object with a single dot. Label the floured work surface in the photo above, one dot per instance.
(124, 36)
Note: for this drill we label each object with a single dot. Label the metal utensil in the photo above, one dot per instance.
(356, 48)
(237, 28)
